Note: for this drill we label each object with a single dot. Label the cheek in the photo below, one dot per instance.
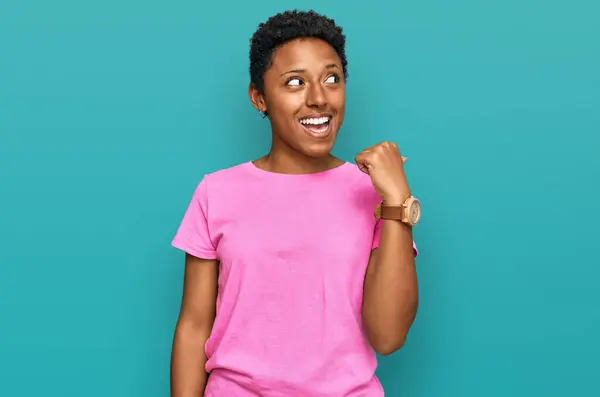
(337, 98)
(293, 101)
(287, 104)
(338, 102)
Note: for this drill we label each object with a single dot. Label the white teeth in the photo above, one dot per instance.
(315, 121)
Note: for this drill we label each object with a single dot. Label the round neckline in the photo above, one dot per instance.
(259, 171)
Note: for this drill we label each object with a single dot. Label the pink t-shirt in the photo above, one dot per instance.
(293, 250)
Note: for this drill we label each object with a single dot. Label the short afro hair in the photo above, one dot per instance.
(287, 26)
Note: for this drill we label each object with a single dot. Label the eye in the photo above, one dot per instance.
(294, 82)
(332, 79)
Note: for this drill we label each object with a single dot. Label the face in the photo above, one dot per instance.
(304, 95)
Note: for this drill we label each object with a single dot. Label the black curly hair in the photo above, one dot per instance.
(287, 26)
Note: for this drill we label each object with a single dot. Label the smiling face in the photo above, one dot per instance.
(304, 95)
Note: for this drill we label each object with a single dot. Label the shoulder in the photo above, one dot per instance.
(229, 176)
(226, 174)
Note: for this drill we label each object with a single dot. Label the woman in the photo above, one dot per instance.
(291, 282)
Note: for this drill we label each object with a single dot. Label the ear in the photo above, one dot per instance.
(257, 99)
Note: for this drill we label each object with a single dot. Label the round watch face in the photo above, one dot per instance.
(414, 212)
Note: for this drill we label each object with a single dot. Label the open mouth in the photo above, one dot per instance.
(317, 127)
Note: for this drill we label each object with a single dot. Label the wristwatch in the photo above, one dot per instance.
(408, 213)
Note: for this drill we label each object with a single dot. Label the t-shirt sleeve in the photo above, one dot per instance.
(377, 236)
(193, 234)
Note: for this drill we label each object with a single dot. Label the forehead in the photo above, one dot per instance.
(305, 53)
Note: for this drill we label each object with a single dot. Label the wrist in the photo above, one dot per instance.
(396, 200)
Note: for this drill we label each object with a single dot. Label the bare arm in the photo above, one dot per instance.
(390, 293)
(197, 314)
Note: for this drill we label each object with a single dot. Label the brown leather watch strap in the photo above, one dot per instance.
(392, 212)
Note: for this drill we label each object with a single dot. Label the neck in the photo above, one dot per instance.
(286, 160)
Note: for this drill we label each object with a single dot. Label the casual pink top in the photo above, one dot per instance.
(293, 250)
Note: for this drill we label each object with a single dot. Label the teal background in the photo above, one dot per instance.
(111, 112)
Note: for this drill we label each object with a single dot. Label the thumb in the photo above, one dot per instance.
(363, 163)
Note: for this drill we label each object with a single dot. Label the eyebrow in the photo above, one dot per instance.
(330, 66)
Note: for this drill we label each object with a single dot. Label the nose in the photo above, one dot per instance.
(315, 96)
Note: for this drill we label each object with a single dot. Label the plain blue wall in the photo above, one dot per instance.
(111, 112)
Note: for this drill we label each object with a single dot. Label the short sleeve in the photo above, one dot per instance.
(193, 234)
(377, 236)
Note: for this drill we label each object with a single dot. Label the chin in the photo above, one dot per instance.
(317, 151)
(317, 148)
